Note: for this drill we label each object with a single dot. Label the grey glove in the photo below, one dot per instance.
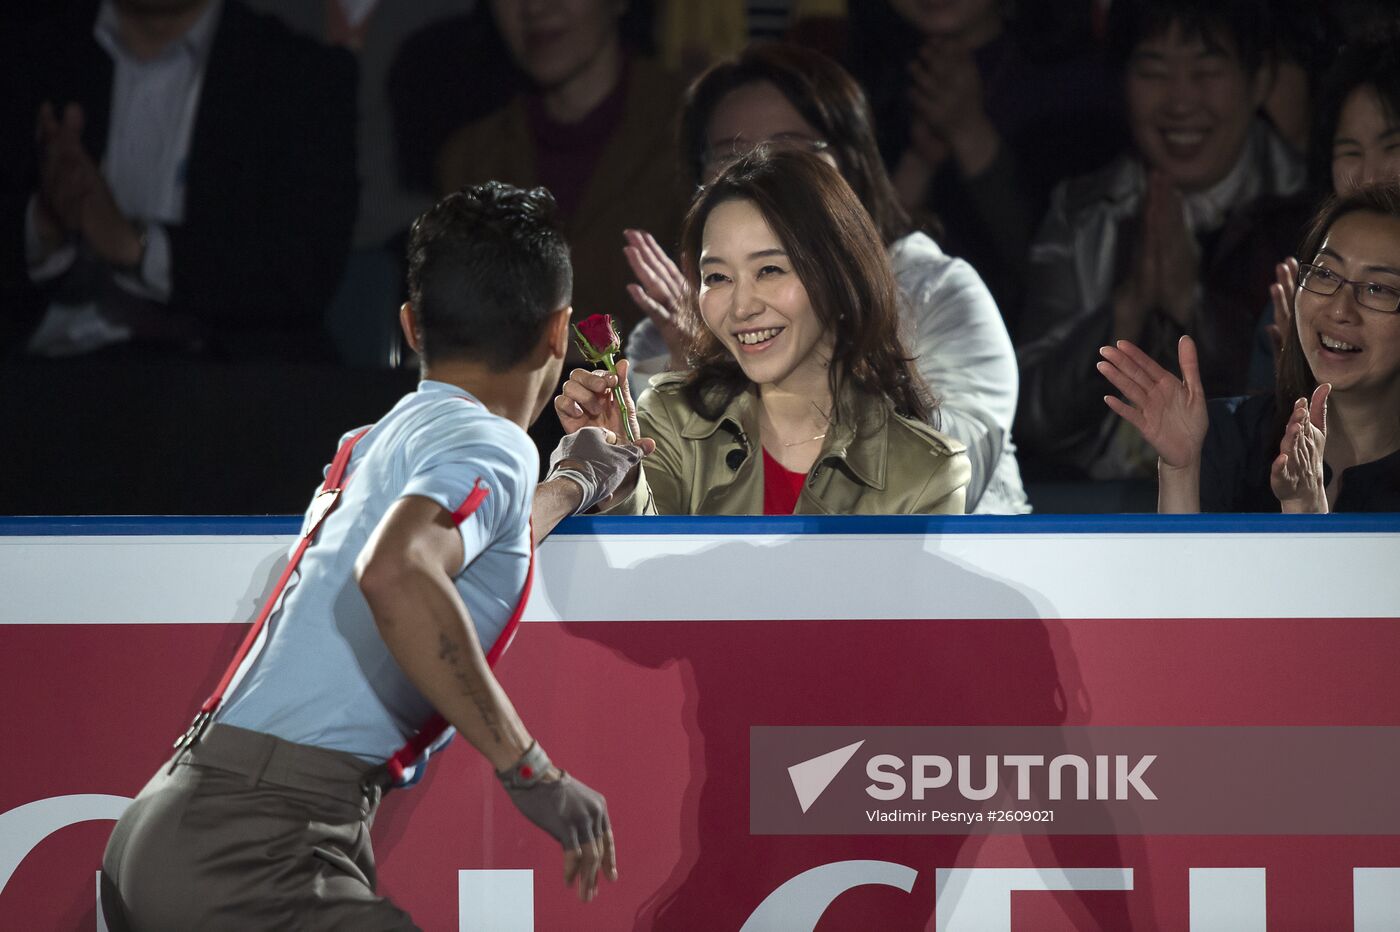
(572, 813)
(597, 466)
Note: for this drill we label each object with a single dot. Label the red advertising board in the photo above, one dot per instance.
(652, 661)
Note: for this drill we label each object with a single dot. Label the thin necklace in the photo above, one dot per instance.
(821, 436)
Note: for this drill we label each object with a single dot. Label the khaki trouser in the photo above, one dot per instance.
(249, 832)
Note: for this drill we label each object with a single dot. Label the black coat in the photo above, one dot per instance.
(270, 193)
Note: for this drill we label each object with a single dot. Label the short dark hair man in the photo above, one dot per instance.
(1179, 236)
(410, 588)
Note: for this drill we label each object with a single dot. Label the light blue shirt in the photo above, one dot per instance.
(324, 676)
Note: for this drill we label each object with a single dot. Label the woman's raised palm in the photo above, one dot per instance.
(1169, 412)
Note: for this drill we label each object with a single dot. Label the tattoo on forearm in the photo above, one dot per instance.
(451, 652)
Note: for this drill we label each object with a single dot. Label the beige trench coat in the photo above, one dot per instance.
(875, 463)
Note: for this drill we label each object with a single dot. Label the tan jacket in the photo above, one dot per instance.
(636, 184)
(877, 463)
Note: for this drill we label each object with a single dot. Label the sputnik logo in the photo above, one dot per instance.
(810, 778)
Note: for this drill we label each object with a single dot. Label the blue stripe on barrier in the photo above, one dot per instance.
(710, 525)
(144, 525)
(986, 524)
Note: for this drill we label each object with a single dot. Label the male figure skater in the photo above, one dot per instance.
(410, 585)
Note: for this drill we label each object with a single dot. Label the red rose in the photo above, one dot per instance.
(598, 342)
(598, 330)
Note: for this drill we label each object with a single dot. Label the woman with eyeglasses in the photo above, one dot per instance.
(802, 399)
(1328, 439)
(793, 98)
(1356, 141)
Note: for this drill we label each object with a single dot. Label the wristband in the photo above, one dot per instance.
(527, 771)
(590, 461)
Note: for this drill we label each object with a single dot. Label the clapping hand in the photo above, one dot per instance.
(1282, 294)
(73, 195)
(659, 290)
(65, 171)
(946, 97)
(1296, 476)
(1178, 256)
(1165, 273)
(1169, 412)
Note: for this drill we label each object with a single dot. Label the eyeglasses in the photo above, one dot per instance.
(720, 155)
(1318, 280)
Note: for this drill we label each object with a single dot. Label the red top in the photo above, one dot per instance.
(566, 154)
(781, 487)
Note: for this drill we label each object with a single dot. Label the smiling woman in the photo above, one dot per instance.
(757, 309)
(790, 97)
(1288, 451)
(802, 399)
(1358, 128)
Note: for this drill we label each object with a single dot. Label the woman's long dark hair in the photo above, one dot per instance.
(839, 258)
(1295, 377)
(826, 97)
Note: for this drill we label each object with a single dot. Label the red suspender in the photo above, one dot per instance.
(321, 506)
(433, 729)
(471, 503)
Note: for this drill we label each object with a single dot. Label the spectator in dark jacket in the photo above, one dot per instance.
(1178, 236)
(189, 187)
(982, 106)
